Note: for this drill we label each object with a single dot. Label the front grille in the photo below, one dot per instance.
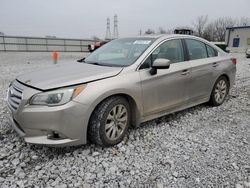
(14, 97)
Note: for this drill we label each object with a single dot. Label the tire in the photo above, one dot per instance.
(107, 127)
(219, 92)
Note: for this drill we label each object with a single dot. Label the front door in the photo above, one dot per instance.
(168, 88)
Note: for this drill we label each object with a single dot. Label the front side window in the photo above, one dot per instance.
(120, 52)
(196, 49)
(171, 50)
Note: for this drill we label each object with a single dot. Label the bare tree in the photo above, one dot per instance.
(140, 32)
(209, 31)
(216, 30)
(243, 21)
(220, 26)
(200, 24)
(170, 31)
(161, 30)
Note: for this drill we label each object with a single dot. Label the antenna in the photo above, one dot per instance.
(108, 33)
(115, 34)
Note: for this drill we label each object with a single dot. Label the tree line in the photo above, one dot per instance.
(212, 30)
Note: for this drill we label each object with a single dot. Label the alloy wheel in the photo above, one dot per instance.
(220, 91)
(116, 122)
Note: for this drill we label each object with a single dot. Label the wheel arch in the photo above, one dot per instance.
(134, 108)
(221, 75)
(212, 101)
(226, 76)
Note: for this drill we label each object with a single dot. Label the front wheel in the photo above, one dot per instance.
(109, 122)
(220, 91)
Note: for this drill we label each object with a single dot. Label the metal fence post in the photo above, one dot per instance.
(46, 43)
(4, 47)
(81, 45)
(26, 44)
(64, 45)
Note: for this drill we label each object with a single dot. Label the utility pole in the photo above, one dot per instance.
(108, 33)
(115, 34)
(140, 32)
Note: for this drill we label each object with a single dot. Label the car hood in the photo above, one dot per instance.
(66, 75)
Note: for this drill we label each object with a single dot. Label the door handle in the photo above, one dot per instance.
(185, 72)
(215, 64)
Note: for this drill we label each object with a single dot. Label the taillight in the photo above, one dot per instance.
(234, 60)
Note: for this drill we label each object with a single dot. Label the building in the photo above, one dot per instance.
(237, 38)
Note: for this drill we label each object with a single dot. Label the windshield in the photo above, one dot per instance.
(120, 52)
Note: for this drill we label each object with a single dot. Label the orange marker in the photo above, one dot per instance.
(55, 57)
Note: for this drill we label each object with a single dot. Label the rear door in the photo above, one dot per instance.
(203, 62)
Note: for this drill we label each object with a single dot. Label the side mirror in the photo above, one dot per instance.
(159, 64)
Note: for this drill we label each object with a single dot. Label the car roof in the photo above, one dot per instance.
(165, 36)
(178, 36)
(161, 37)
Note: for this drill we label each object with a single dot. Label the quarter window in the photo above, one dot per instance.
(171, 50)
(211, 52)
(196, 49)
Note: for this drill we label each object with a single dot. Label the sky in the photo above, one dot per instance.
(87, 18)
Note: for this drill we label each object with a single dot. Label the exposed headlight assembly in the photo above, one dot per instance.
(56, 97)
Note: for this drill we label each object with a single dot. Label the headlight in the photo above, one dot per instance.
(56, 97)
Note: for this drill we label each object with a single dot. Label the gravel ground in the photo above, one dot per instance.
(198, 147)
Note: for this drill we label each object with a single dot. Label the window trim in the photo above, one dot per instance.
(185, 49)
(166, 40)
(185, 41)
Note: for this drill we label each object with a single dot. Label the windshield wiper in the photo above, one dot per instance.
(102, 64)
(92, 63)
(99, 64)
(81, 60)
(95, 63)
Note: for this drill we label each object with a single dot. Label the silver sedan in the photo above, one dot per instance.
(122, 84)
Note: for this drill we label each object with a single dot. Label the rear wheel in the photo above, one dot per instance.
(109, 122)
(220, 91)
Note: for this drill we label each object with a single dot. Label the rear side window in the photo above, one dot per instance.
(196, 49)
(211, 52)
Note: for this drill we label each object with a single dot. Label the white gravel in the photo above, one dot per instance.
(198, 147)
